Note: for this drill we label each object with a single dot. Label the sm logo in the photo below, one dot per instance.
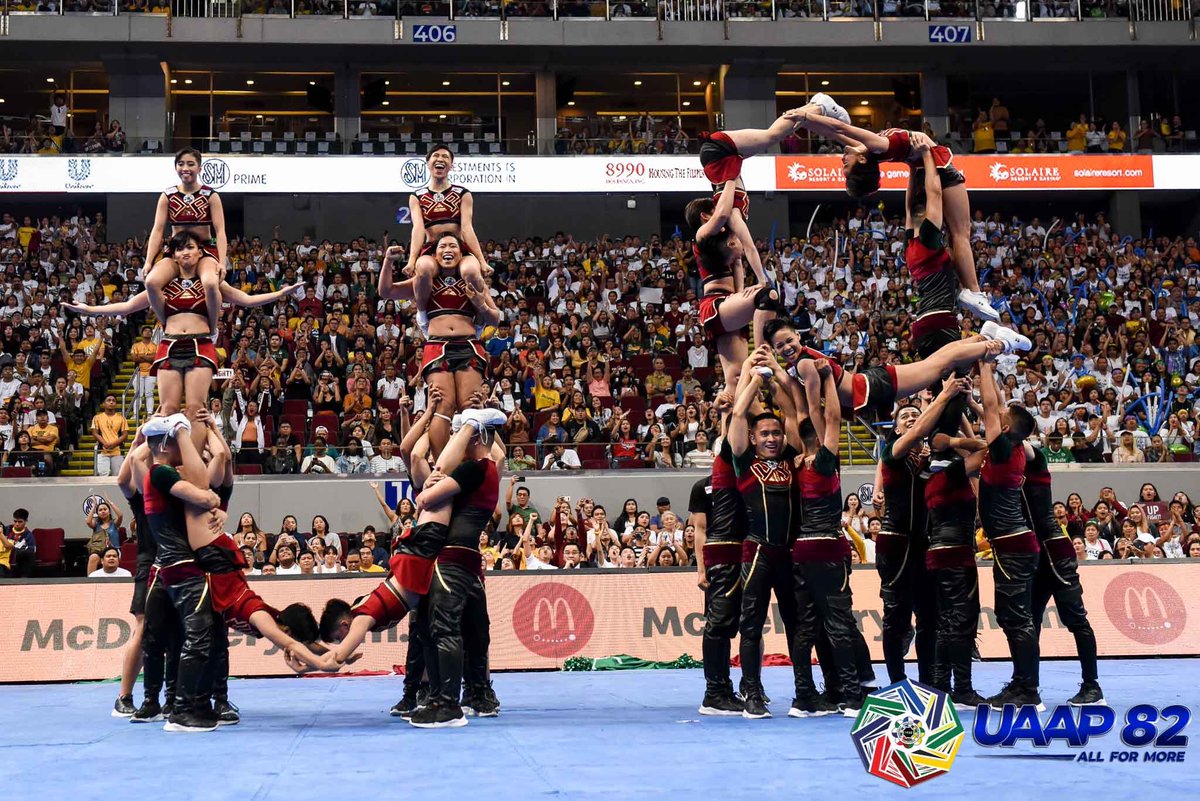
(1145, 608)
(553, 620)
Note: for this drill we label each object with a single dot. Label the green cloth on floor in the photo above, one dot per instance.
(627, 662)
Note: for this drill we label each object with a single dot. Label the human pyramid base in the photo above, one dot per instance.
(767, 519)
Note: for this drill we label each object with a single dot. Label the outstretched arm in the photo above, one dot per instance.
(812, 120)
(139, 302)
(239, 298)
(747, 391)
(933, 189)
(832, 413)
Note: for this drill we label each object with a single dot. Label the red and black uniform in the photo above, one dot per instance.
(160, 625)
(710, 263)
(453, 354)
(192, 210)
(717, 498)
(950, 561)
(1015, 552)
(1058, 568)
(873, 391)
(457, 604)
(184, 351)
(900, 549)
(185, 585)
(821, 577)
(440, 207)
(936, 323)
(771, 500)
(900, 149)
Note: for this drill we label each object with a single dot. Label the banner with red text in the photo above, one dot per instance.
(331, 175)
(71, 630)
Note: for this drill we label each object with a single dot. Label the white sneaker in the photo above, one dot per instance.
(155, 427)
(977, 304)
(456, 423)
(830, 108)
(484, 418)
(1011, 339)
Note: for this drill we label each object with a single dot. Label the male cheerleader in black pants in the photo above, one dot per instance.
(762, 462)
(900, 549)
(821, 555)
(718, 516)
(1015, 550)
(1058, 575)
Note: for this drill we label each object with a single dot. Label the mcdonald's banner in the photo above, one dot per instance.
(72, 630)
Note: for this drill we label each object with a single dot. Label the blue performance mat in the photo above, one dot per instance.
(621, 735)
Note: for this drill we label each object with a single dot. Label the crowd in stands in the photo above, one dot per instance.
(599, 359)
(600, 362)
(996, 129)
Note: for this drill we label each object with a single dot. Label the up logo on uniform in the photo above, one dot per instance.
(414, 173)
(553, 620)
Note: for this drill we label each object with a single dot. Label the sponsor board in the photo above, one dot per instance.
(574, 174)
(72, 630)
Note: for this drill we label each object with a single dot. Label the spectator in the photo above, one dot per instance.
(353, 562)
(281, 457)
(367, 559)
(552, 430)
(519, 461)
(110, 565)
(562, 458)
(1116, 138)
(1126, 452)
(59, 114)
(379, 554)
(319, 462)
(386, 461)
(43, 437)
(352, 460)
(329, 564)
(523, 504)
(24, 546)
(307, 563)
(104, 520)
(111, 429)
(249, 436)
(286, 564)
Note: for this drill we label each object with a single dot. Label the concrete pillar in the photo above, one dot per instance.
(934, 101)
(546, 102)
(1133, 92)
(347, 104)
(748, 95)
(1125, 213)
(137, 96)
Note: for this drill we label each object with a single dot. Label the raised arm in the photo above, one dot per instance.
(392, 517)
(928, 419)
(831, 414)
(991, 401)
(747, 391)
(720, 215)
(933, 189)
(155, 238)
(416, 241)
(387, 287)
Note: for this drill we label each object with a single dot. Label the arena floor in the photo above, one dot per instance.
(621, 735)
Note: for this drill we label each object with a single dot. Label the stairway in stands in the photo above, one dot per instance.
(857, 450)
(83, 460)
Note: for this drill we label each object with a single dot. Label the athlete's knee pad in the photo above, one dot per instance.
(384, 606)
(766, 299)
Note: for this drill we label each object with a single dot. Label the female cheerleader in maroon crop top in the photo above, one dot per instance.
(189, 206)
(725, 308)
(453, 359)
(186, 358)
(860, 164)
(441, 208)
